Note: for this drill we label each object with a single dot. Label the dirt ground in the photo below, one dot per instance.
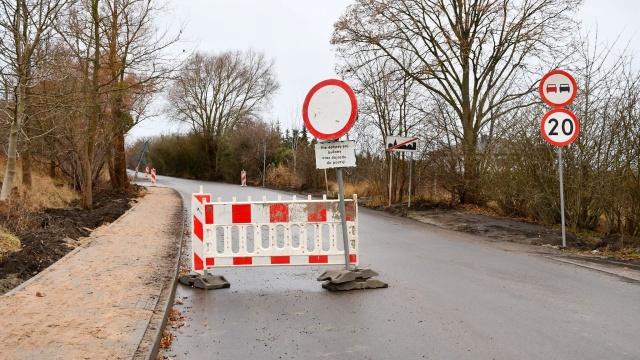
(56, 232)
(494, 228)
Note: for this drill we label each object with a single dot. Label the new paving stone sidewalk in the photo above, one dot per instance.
(105, 300)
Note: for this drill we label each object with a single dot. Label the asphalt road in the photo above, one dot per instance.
(450, 296)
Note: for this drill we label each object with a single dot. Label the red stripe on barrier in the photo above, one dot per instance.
(350, 210)
(211, 262)
(197, 262)
(317, 213)
(203, 197)
(318, 259)
(352, 258)
(279, 213)
(280, 260)
(242, 260)
(208, 214)
(241, 213)
(197, 228)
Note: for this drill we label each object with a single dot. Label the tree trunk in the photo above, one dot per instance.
(26, 165)
(52, 169)
(120, 161)
(94, 115)
(12, 152)
(471, 191)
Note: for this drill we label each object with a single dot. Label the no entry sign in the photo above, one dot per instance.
(560, 127)
(330, 109)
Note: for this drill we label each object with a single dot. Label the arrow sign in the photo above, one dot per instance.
(395, 143)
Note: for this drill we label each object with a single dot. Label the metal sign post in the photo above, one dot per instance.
(390, 176)
(410, 176)
(329, 110)
(564, 236)
(404, 144)
(559, 127)
(343, 215)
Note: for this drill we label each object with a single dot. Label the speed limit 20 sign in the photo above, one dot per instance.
(560, 127)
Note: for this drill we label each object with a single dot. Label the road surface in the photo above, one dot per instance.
(450, 296)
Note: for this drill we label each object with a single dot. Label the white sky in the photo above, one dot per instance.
(296, 34)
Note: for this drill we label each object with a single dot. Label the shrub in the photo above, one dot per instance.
(283, 178)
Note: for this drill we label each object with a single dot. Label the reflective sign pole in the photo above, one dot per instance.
(564, 237)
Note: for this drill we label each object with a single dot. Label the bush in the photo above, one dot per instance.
(283, 178)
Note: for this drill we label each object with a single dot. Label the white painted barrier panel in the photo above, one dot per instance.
(268, 233)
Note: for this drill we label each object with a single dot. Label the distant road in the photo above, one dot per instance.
(449, 297)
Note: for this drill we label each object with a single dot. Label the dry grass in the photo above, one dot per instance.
(8, 243)
(362, 189)
(283, 178)
(45, 192)
(17, 213)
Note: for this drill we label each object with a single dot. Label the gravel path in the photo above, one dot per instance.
(105, 300)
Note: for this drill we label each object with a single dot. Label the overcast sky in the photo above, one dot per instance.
(296, 34)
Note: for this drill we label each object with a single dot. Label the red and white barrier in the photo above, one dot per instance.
(153, 176)
(197, 230)
(146, 172)
(267, 233)
(243, 178)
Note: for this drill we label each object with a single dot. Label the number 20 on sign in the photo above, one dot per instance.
(560, 127)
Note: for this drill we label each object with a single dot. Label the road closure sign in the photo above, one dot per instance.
(336, 154)
(330, 109)
(560, 127)
(558, 88)
(396, 143)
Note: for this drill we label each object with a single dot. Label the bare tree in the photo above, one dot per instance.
(24, 24)
(476, 55)
(115, 60)
(389, 106)
(137, 63)
(212, 93)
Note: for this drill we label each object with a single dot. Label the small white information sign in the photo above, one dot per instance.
(337, 154)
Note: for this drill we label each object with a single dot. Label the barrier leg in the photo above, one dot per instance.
(206, 281)
(357, 279)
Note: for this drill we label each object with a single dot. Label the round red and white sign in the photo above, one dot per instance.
(558, 88)
(330, 109)
(560, 127)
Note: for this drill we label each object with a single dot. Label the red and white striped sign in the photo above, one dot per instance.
(294, 232)
(153, 176)
(146, 172)
(243, 178)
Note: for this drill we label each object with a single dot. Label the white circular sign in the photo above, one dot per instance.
(329, 109)
(560, 127)
(558, 88)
